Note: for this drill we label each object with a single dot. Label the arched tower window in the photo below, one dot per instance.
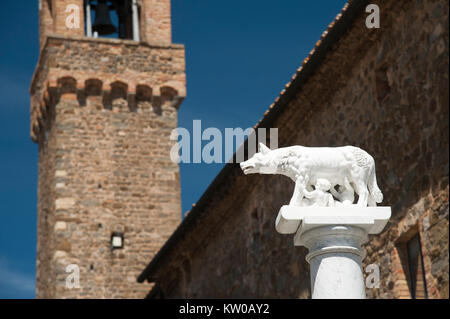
(112, 19)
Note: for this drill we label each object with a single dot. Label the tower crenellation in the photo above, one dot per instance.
(102, 110)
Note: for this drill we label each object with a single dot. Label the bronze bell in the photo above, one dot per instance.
(102, 23)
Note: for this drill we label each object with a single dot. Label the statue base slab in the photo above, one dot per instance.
(293, 218)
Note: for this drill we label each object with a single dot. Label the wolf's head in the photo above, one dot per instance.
(262, 162)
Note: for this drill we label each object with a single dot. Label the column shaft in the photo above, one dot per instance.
(335, 257)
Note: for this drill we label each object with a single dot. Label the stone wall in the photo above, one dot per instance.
(102, 112)
(384, 90)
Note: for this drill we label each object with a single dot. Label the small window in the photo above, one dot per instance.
(418, 285)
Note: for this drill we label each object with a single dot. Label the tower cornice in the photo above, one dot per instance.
(159, 68)
(52, 38)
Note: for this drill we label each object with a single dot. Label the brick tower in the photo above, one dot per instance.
(104, 100)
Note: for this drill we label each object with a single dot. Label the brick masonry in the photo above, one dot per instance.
(384, 90)
(102, 111)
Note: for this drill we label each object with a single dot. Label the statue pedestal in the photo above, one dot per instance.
(334, 236)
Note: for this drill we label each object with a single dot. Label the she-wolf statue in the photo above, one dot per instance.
(348, 169)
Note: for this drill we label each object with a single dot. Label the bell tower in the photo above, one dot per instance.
(104, 100)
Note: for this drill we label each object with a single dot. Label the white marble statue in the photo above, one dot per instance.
(323, 176)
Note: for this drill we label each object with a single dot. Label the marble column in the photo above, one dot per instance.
(334, 236)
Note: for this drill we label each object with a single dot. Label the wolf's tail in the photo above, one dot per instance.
(376, 193)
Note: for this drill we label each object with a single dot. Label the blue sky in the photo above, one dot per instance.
(239, 56)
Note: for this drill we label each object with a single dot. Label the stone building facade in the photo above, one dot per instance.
(385, 90)
(102, 111)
